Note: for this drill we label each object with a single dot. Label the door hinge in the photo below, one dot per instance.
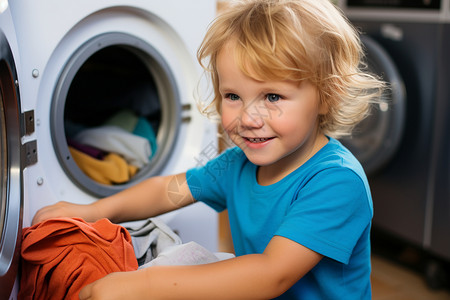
(29, 154)
(186, 119)
(28, 122)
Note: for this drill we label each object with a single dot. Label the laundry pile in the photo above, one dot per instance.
(156, 244)
(113, 152)
(60, 256)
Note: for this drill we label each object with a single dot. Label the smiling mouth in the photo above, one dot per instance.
(257, 140)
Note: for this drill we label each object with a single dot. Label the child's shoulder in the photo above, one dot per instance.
(336, 155)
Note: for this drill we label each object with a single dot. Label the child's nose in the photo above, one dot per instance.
(251, 116)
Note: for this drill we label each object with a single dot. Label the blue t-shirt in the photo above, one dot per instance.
(324, 205)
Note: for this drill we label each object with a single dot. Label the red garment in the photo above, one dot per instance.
(60, 256)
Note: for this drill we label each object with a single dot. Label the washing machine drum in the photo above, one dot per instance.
(376, 139)
(115, 113)
(10, 169)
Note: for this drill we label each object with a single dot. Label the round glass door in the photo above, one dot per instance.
(10, 170)
(115, 110)
(375, 140)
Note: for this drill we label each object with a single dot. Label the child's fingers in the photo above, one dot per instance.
(85, 293)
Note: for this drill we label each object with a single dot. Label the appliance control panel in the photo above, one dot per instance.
(421, 4)
(413, 11)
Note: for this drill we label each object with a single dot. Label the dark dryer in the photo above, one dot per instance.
(404, 145)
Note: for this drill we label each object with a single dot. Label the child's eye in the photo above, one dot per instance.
(232, 97)
(273, 97)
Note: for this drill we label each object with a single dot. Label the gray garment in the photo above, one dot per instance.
(155, 244)
(151, 238)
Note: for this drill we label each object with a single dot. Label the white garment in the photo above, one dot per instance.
(186, 254)
(134, 149)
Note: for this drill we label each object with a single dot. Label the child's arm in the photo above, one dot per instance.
(146, 199)
(255, 276)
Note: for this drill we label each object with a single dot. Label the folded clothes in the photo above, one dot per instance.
(112, 169)
(60, 256)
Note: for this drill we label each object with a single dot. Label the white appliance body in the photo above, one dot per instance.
(60, 42)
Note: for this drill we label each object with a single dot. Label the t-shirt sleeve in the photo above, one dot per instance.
(329, 213)
(211, 182)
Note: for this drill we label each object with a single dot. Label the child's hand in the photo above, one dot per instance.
(119, 285)
(66, 209)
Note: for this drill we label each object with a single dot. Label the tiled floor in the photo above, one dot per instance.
(392, 281)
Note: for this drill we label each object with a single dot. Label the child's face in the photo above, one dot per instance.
(275, 123)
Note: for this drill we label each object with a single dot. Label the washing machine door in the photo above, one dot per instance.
(10, 169)
(376, 139)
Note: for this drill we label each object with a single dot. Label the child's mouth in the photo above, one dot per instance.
(258, 140)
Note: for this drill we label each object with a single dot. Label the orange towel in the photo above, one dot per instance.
(60, 256)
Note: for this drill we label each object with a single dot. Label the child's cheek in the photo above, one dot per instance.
(230, 118)
(228, 125)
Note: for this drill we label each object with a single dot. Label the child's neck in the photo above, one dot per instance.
(267, 175)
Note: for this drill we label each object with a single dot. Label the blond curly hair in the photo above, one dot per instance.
(296, 40)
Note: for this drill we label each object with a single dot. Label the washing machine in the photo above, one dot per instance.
(85, 65)
(402, 144)
(11, 154)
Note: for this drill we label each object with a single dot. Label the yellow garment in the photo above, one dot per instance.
(113, 169)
